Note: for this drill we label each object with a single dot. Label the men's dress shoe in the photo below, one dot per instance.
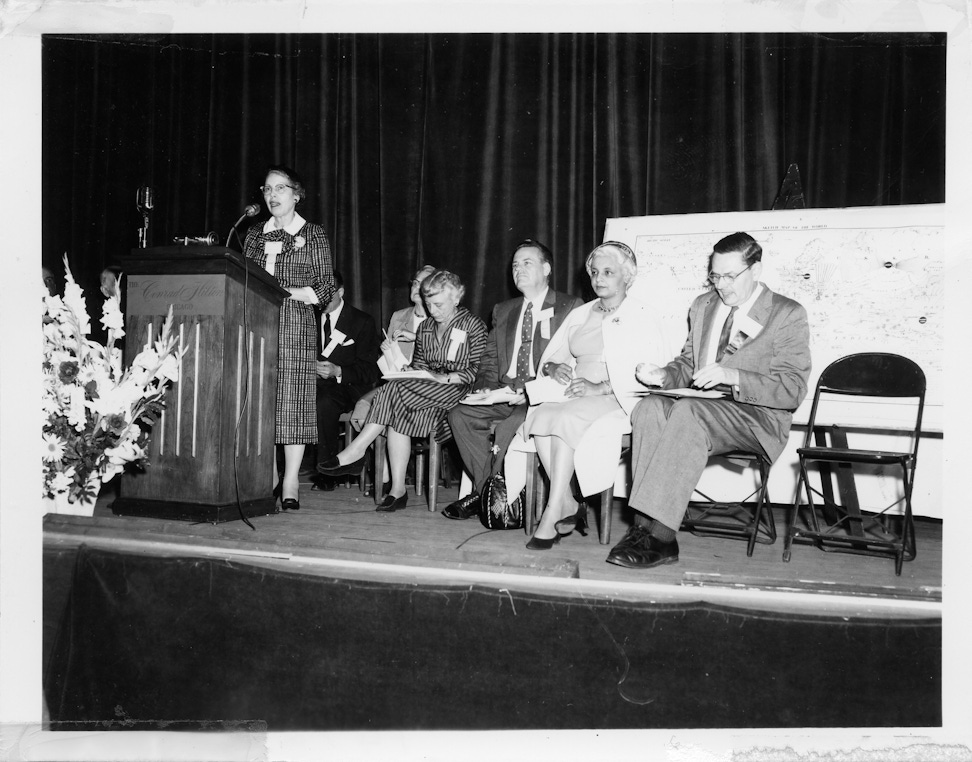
(537, 543)
(289, 504)
(463, 508)
(322, 483)
(641, 550)
(389, 503)
(332, 467)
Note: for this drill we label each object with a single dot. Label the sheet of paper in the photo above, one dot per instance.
(393, 357)
(422, 375)
(491, 397)
(702, 393)
(545, 389)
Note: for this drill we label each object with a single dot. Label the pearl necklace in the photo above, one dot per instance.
(602, 308)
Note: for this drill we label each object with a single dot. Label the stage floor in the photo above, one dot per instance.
(340, 534)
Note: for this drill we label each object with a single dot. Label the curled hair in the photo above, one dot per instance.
(622, 253)
(292, 177)
(424, 270)
(744, 243)
(440, 280)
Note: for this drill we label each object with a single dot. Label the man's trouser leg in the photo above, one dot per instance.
(470, 430)
(671, 442)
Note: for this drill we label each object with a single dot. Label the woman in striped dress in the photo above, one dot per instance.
(297, 254)
(449, 345)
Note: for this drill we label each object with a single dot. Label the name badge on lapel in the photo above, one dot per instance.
(337, 337)
(744, 329)
(543, 318)
(272, 249)
(456, 339)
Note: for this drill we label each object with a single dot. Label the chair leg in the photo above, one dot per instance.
(347, 443)
(762, 510)
(607, 504)
(435, 456)
(419, 472)
(529, 509)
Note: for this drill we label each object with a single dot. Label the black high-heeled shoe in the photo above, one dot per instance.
(538, 543)
(576, 521)
(332, 467)
(289, 504)
(278, 490)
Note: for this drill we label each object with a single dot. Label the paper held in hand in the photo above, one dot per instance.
(392, 359)
(390, 372)
(545, 389)
(491, 397)
(703, 393)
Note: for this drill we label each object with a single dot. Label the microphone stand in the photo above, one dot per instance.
(143, 231)
(251, 211)
(233, 230)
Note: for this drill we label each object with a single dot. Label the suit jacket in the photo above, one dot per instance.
(358, 354)
(502, 337)
(773, 365)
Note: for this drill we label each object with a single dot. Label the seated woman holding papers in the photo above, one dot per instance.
(589, 369)
(448, 348)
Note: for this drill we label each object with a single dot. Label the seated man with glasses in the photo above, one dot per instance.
(743, 338)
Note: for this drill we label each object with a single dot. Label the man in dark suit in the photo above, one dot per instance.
(347, 367)
(520, 331)
(743, 338)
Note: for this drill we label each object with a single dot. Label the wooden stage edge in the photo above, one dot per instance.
(338, 534)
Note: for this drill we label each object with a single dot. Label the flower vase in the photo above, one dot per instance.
(81, 507)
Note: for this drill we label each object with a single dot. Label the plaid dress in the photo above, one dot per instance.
(306, 265)
(416, 408)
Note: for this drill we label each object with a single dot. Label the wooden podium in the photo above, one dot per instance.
(211, 455)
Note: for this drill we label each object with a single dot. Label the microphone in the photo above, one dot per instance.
(144, 198)
(251, 210)
(209, 239)
(144, 201)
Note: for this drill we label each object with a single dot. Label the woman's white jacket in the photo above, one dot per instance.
(633, 334)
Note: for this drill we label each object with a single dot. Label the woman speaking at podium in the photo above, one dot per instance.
(297, 254)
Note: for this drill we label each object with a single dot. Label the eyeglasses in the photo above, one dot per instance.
(730, 278)
(266, 190)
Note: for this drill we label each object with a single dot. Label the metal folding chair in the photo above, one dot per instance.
(844, 528)
(746, 519)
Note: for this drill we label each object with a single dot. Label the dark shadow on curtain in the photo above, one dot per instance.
(449, 149)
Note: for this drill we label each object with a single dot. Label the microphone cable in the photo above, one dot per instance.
(246, 384)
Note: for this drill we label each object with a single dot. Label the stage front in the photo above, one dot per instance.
(336, 617)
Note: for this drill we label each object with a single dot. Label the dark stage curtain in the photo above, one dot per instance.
(449, 149)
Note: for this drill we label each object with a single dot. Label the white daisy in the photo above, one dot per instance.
(53, 448)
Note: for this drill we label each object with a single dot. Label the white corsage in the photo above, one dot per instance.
(299, 242)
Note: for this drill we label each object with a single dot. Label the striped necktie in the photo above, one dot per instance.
(726, 333)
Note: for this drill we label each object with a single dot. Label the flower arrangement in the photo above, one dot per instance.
(92, 407)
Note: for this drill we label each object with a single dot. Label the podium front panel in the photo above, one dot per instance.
(213, 447)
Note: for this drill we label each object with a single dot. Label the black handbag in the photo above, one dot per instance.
(495, 511)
